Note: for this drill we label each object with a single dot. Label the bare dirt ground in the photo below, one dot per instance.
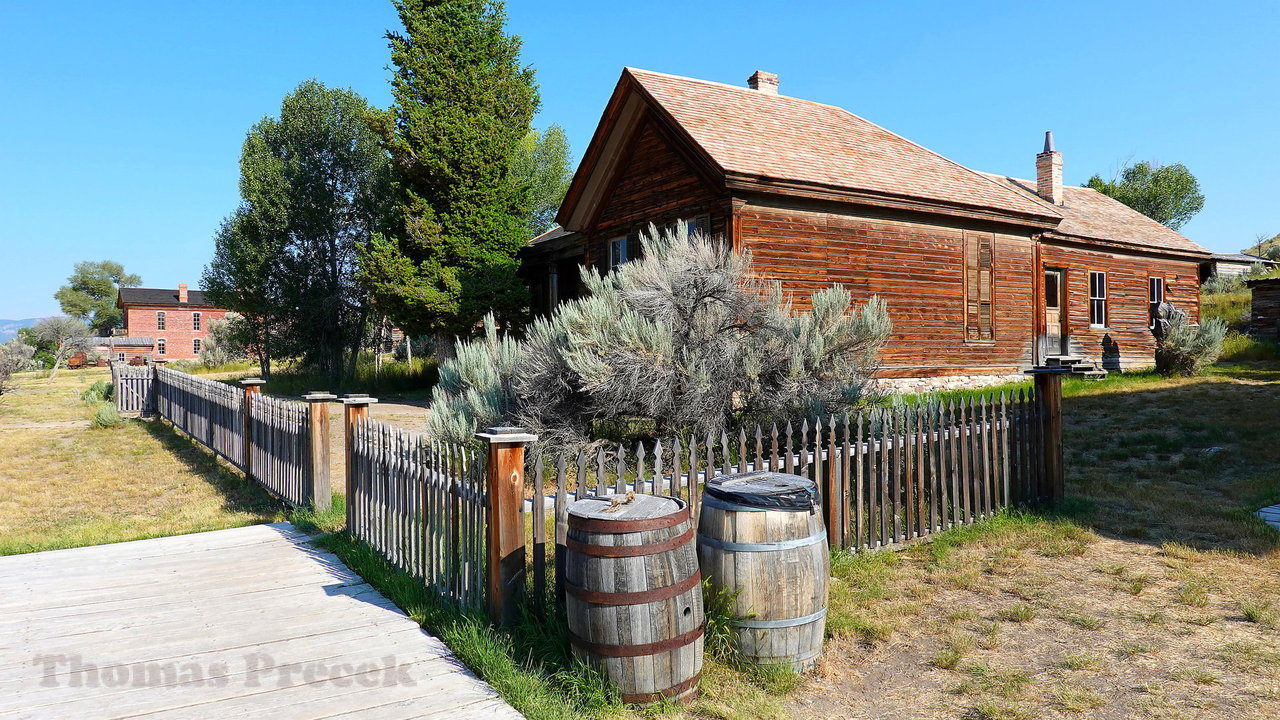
(1156, 598)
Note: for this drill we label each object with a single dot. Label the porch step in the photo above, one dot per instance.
(1092, 374)
(1063, 360)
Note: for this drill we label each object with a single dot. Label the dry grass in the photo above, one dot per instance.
(66, 485)
(1152, 595)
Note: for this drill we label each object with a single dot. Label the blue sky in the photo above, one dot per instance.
(122, 123)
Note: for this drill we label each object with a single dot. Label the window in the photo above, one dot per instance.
(1097, 299)
(1155, 287)
(195, 321)
(159, 319)
(979, 287)
(1053, 290)
(195, 346)
(120, 357)
(160, 346)
(617, 251)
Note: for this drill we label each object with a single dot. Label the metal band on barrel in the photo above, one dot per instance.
(599, 597)
(762, 546)
(629, 550)
(771, 624)
(653, 648)
(670, 692)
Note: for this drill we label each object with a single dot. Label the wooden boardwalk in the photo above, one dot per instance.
(248, 622)
(1271, 515)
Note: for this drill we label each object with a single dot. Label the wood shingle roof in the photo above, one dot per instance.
(762, 136)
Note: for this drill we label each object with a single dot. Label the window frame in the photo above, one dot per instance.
(1102, 300)
(973, 245)
(162, 346)
(195, 345)
(120, 357)
(161, 318)
(1153, 282)
(195, 321)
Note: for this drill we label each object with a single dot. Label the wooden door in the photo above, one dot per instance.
(1054, 340)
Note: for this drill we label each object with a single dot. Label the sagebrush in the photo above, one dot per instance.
(1186, 349)
(684, 339)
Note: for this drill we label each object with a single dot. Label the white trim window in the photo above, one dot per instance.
(1155, 289)
(1097, 299)
(195, 346)
(195, 321)
(160, 346)
(160, 320)
(120, 357)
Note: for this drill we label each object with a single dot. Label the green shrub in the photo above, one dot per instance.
(1187, 349)
(106, 416)
(99, 391)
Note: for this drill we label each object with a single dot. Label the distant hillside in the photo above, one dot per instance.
(1267, 248)
(9, 328)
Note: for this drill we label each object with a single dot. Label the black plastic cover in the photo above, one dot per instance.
(765, 489)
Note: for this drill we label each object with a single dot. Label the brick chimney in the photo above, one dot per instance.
(765, 82)
(1049, 172)
(182, 292)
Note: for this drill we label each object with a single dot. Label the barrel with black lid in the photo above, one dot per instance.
(761, 536)
(633, 594)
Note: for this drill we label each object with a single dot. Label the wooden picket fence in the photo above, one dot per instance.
(211, 413)
(887, 476)
(422, 505)
(281, 448)
(281, 444)
(131, 387)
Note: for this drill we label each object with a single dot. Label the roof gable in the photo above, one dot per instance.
(774, 142)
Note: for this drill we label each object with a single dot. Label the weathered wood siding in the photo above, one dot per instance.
(915, 265)
(1264, 314)
(656, 184)
(1126, 342)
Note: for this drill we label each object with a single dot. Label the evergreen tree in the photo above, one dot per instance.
(463, 104)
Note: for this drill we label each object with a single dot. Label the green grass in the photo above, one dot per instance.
(1243, 348)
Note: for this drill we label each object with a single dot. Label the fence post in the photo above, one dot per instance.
(355, 409)
(505, 530)
(320, 488)
(252, 386)
(1049, 398)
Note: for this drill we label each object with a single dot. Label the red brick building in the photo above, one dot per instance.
(177, 321)
(984, 275)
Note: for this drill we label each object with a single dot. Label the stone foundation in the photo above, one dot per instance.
(940, 383)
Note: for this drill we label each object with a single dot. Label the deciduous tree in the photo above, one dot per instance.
(91, 291)
(314, 186)
(65, 335)
(463, 103)
(1168, 194)
(542, 163)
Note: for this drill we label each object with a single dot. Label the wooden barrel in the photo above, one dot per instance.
(633, 594)
(760, 535)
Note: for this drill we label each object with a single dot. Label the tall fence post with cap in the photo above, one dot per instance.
(1048, 383)
(355, 408)
(320, 488)
(252, 386)
(505, 530)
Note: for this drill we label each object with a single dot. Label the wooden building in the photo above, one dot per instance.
(984, 275)
(1264, 308)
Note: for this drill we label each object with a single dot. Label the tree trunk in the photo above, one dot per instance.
(446, 346)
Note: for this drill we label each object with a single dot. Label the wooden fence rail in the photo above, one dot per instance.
(281, 444)
(887, 476)
(131, 387)
(212, 413)
(422, 504)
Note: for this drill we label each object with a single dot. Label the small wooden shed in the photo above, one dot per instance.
(1264, 316)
